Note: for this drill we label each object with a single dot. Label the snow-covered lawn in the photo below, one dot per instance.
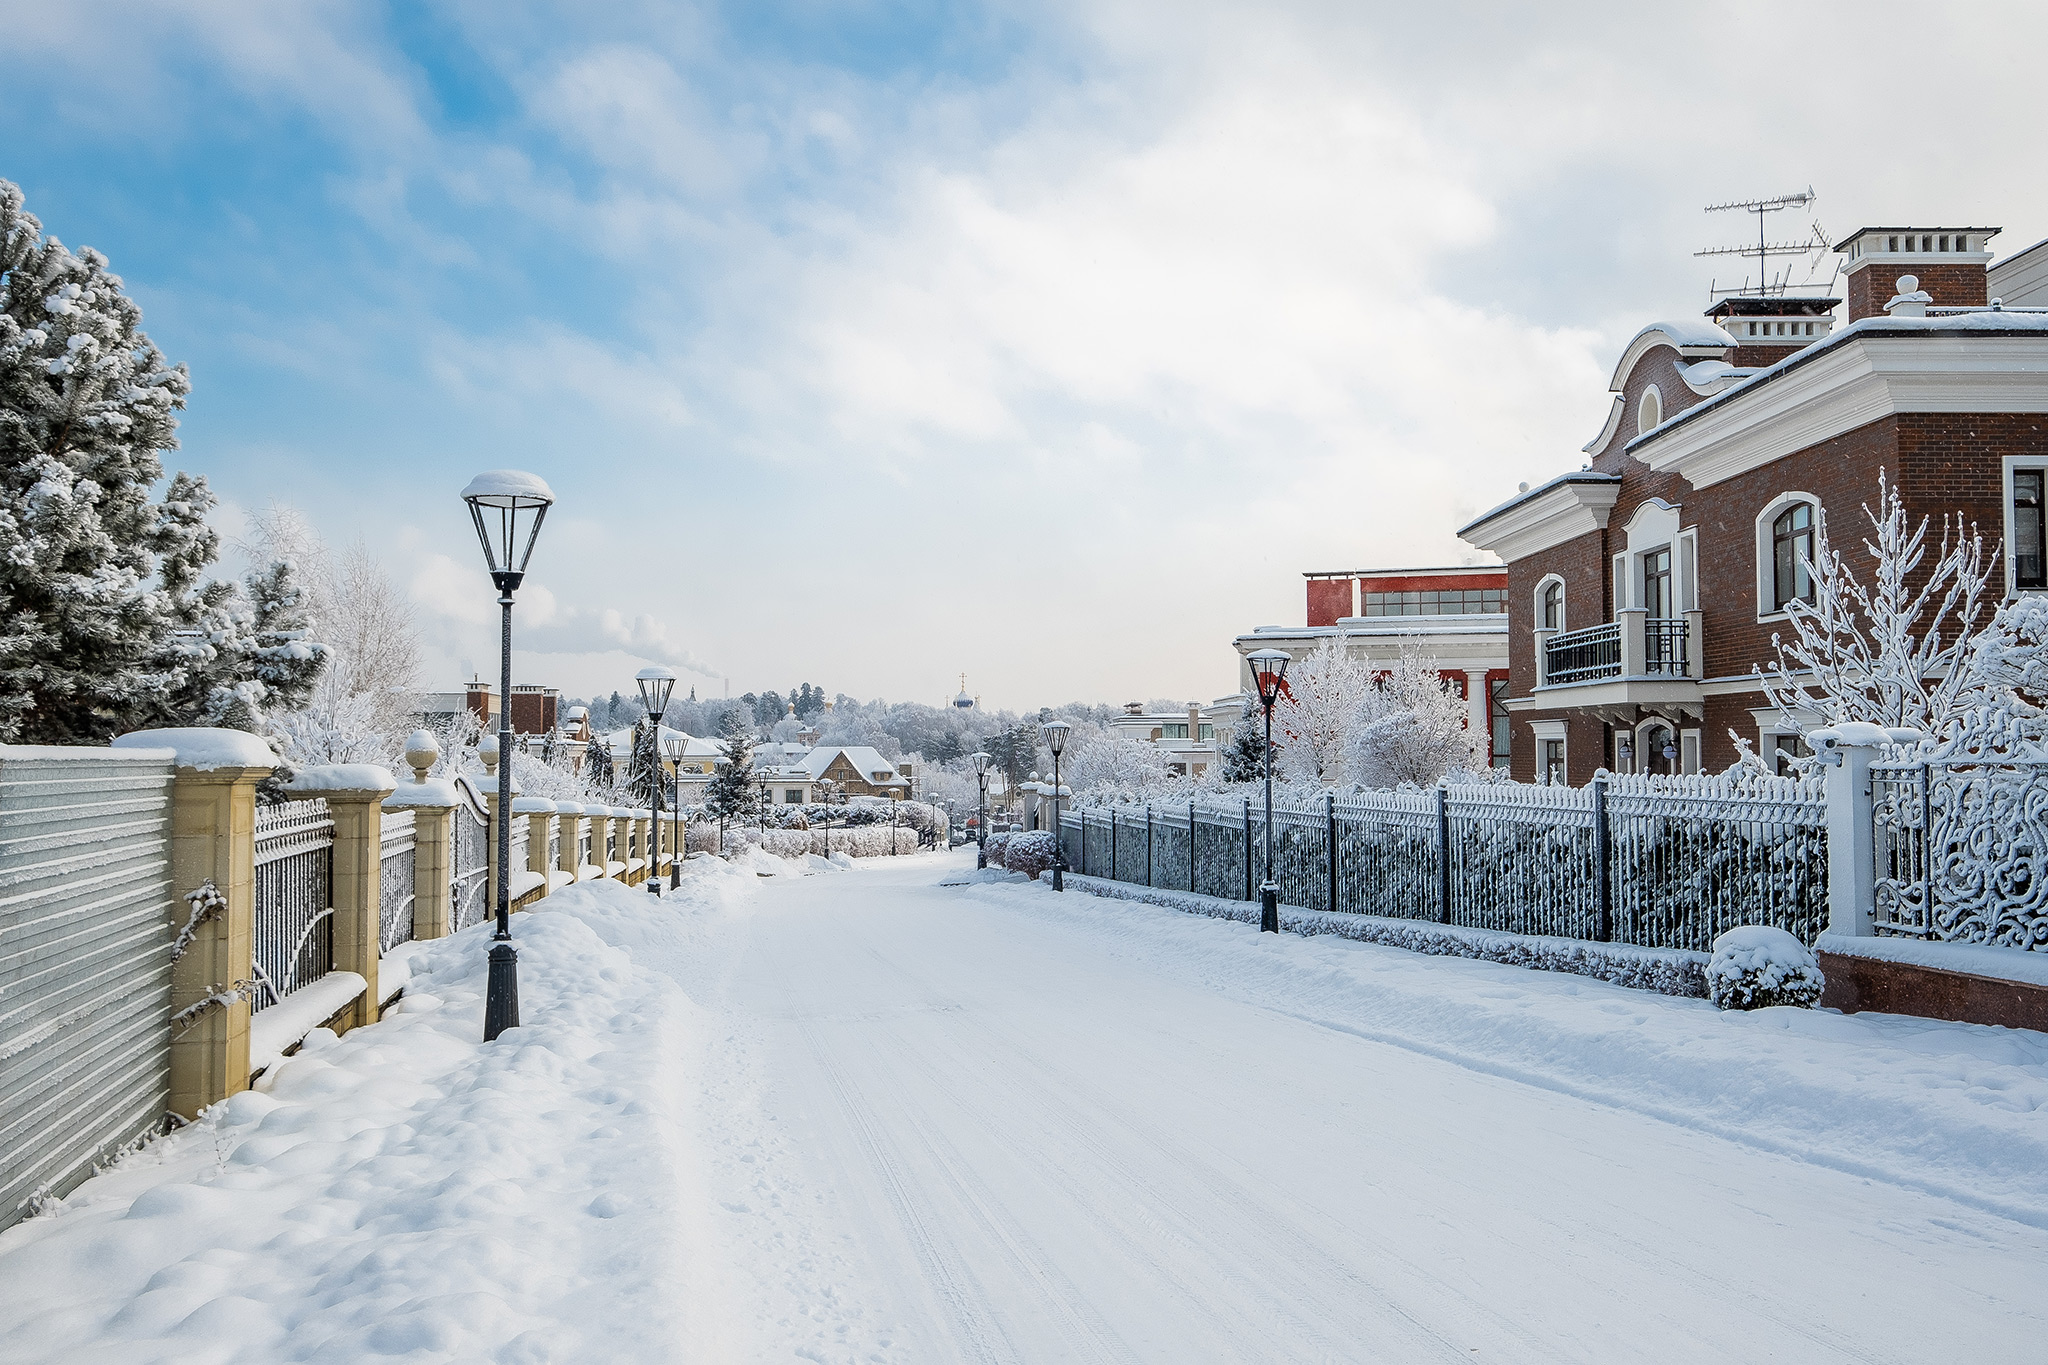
(867, 1117)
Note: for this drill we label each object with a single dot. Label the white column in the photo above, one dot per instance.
(1846, 752)
(1475, 701)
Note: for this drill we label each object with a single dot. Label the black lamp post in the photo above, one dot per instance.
(508, 507)
(656, 684)
(980, 762)
(1056, 732)
(767, 799)
(673, 747)
(1269, 671)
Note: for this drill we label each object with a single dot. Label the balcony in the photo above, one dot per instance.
(1634, 660)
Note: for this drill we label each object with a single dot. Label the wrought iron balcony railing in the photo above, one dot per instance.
(1584, 655)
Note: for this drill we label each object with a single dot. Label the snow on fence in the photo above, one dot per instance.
(1664, 862)
(85, 961)
(1962, 850)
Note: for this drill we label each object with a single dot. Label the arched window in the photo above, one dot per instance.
(1552, 612)
(1649, 412)
(1791, 553)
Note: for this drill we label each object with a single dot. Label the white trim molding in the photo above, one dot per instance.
(1857, 376)
(1649, 410)
(1561, 510)
(1765, 547)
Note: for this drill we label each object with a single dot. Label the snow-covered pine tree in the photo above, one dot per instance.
(105, 622)
(731, 793)
(1244, 752)
(598, 773)
(643, 766)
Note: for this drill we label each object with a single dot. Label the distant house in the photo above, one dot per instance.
(1188, 738)
(858, 770)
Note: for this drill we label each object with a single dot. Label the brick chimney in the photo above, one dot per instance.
(1768, 329)
(1949, 263)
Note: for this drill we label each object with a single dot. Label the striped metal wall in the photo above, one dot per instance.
(85, 961)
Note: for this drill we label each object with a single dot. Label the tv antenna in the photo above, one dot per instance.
(1815, 242)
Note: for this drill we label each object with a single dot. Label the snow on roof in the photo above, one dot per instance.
(865, 759)
(204, 747)
(1683, 333)
(504, 487)
(1987, 321)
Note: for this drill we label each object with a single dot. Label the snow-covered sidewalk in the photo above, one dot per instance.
(867, 1117)
(406, 1192)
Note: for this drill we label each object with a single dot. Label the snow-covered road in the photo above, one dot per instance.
(1013, 1145)
(868, 1117)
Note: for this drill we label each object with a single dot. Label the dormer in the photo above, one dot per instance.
(1766, 330)
(1948, 261)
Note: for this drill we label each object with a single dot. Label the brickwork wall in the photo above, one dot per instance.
(1954, 285)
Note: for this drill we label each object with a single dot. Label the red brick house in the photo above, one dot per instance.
(1456, 616)
(1644, 588)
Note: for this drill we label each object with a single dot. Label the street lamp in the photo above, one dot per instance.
(656, 684)
(980, 762)
(767, 799)
(1056, 732)
(507, 506)
(1269, 671)
(673, 747)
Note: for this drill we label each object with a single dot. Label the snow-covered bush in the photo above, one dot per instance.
(994, 848)
(1030, 852)
(1757, 966)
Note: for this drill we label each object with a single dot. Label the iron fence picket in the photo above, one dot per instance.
(292, 925)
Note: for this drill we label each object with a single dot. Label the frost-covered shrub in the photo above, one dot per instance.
(1030, 852)
(1755, 966)
(996, 844)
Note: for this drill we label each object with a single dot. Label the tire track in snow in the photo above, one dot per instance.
(959, 1292)
(1290, 1247)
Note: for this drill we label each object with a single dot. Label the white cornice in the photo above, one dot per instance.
(1551, 516)
(1599, 443)
(1860, 380)
(1692, 338)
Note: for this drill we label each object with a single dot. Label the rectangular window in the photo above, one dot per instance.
(1179, 731)
(1785, 749)
(1550, 762)
(794, 796)
(1657, 583)
(1208, 731)
(2028, 568)
(1447, 602)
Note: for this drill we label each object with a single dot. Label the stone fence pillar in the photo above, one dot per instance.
(213, 839)
(432, 801)
(355, 794)
(540, 820)
(570, 817)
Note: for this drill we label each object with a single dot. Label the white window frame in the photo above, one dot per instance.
(2012, 463)
(1651, 395)
(1551, 731)
(1766, 584)
(1563, 602)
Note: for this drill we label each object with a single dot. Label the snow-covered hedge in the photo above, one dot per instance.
(1756, 966)
(1667, 971)
(1030, 852)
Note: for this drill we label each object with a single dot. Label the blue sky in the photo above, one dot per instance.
(867, 344)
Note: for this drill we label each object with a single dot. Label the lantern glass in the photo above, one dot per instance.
(673, 747)
(980, 762)
(1269, 670)
(508, 507)
(655, 683)
(1055, 732)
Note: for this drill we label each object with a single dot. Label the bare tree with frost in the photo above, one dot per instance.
(1897, 652)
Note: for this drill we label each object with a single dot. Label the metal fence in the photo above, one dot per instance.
(394, 881)
(293, 932)
(1665, 862)
(85, 962)
(469, 850)
(1962, 850)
